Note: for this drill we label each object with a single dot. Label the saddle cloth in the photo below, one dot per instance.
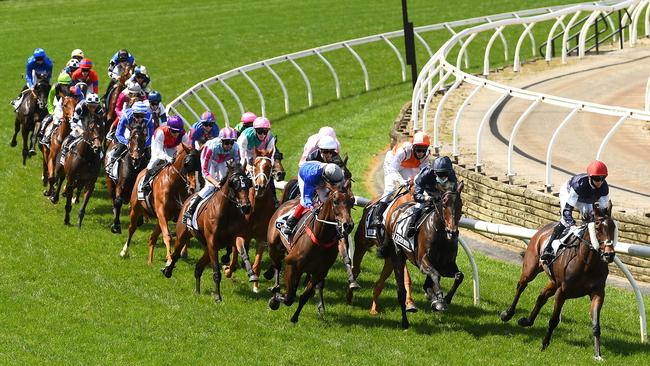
(566, 238)
(73, 143)
(280, 223)
(193, 224)
(401, 228)
(371, 232)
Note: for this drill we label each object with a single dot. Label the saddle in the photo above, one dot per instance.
(114, 170)
(281, 221)
(567, 239)
(152, 174)
(70, 148)
(404, 222)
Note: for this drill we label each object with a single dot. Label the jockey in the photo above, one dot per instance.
(163, 148)
(133, 91)
(327, 151)
(38, 63)
(401, 164)
(71, 66)
(580, 191)
(88, 107)
(86, 74)
(204, 130)
(138, 113)
(259, 136)
(77, 54)
(245, 122)
(154, 100)
(312, 142)
(79, 90)
(311, 180)
(55, 104)
(120, 60)
(432, 181)
(140, 77)
(216, 153)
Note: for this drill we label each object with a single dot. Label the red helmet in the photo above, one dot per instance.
(86, 64)
(597, 168)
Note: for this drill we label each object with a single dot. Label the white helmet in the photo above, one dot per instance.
(73, 63)
(332, 173)
(77, 53)
(135, 88)
(327, 131)
(327, 143)
(92, 98)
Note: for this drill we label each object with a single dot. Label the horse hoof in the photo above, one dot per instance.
(354, 285)
(218, 299)
(411, 308)
(274, 289)
(46, 193)
(54, 200)
(505, 316)
(405, 324)
(184, 254)
(116, 229)
(227, 272)
(269, 273)
(66, 222)
(167, 271)
(374, 311)
(124, 254)
(274, 304)
(439, 305)
(256, 289)
(294, 320)
(598, 358)
(32, 152)
(253, 278)
(524, 322)
(13, 143)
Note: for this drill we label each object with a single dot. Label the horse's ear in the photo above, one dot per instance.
(345, 159)
(609, 208)
(459, 189)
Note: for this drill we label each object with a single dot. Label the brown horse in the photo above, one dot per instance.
(263, 207)
(314, 246)
(133, 161)
(169, 189)
(362, 244)
(434, 254)
(81, 166)
(579, 269)
(29, 115)
(111, 96)
(51, 151)
(220, 222)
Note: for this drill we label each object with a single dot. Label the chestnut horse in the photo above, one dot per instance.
(434, 254)
(131, 163)
(579, 269)
(262, 208)
(220, 222)
(31, 111)
(314, 247)
(362, 244)
(81, 166)
(111, 96)
(51, 151)
(169, 189)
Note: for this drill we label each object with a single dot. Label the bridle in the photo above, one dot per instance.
(439, 211)
(236, 177)
(262, 174)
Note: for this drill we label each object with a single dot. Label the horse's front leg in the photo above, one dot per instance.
(547, 292)
(398, 261)
(25, 134)
(68, 202)
(167, 238)
(386, 270)
(344, 246)
(458, 279)
(241, 248)
(257, 263)
(213, 251)
(321, 301)
(45, 174)
(555, 318)
(597, 299)
(17, 123)
(90, 187)
(306, 295)
(198, 271)
(438, 302)
(134, 216)
(33, 138)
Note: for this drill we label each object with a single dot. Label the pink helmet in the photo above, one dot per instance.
(262, 122)
(327, 131)
(227, 133)
(248, 117)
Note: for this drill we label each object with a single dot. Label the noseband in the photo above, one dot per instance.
(240, 178)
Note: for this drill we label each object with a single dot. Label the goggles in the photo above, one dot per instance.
(262, 131)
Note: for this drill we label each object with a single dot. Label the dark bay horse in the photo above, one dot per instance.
(169, 189)
(362, 244)
(81, 166)
(314, 246)
(220, 223)
(51, 152)
(130, 164)
(435, 249)
(111, 95)
(578, 270)
(31, 112)
(262, 208)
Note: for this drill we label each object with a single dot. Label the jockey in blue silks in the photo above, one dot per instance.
(38, 63)
(204, 129)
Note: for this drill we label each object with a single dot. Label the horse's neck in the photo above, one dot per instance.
(326, 213)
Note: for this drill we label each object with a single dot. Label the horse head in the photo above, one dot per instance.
(338, 205)
(69, 104)
(137, 140)
(452, 209)
(278, 170)
(262, 170)
(94, 134)
(41, 90)
(188, 162)
(237, 185)
(605, 232)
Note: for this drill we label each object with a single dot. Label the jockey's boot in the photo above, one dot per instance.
(291, 223)
(377, 219)
(548, 255)
(415, 216)
(382, 249)
(146, 183)
(65, 147)
(191, 208)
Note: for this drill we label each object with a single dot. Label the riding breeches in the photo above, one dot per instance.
(207, 191)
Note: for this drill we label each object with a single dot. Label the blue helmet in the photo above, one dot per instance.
(442, 164)
(154, 97)
(39, 52)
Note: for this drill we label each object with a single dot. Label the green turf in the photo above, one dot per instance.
(65, 295)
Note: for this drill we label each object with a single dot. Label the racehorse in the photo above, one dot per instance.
(134, 159)
(81, 166)
(313, 247)
(111, 95)
(362, 245)
(278, 170)
(579, 269)
(31, 111)
(434, 253)
(262, 208)
(219, 223)
(51, 151)
(169, 189)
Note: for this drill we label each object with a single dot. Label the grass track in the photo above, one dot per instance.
(66, 297)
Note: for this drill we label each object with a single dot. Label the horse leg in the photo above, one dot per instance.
(410, 304)
(257, 264)
(306, 295)
(555, 318)
(547, 292)
(359, 252)
(343, 250)
(58, 177)
(182, 237)
(25, 134)
(321, 302)
(135, 214)
(116, 227)
(45, 175)
(379, 285)
(597, 299)
(90, 187)
(153, 238)
(241, 248)
(68, 203)
(216, 271)
(398, 261)
(33, 138)
(167, 238)
(458, 279)
(528, 274)
(232, 264)
(438, 302)
(198, 271)
(75, 199)
(14, 142)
